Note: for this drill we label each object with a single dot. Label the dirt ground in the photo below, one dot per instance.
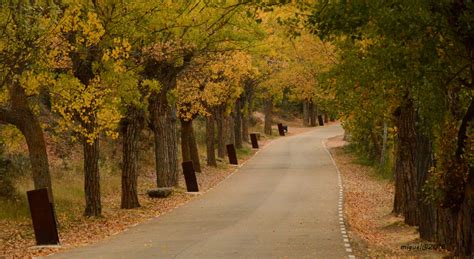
(374, 231)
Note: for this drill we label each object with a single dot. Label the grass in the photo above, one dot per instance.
(382, 171)
(68, 180)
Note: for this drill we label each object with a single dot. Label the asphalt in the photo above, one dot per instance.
(283, 203)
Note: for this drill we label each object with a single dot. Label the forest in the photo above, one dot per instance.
(98, 95)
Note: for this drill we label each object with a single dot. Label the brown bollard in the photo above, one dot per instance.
(190, 176)
(320, 120)
(253, 139)
(281, 131)
(42, 215)
(231, 154)
(326, 118)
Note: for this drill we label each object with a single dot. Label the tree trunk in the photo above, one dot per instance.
(21, 116)
(221, 151)
(313, 115)
(245, 127)
(166, 150)
(268, 117)
(185, 134)
(248, 109)
(229, 130)
(383, 155)
(406, 180)
(210, 141)
(238, 124)
(427, 210)
(131, 127)
(305, 114)
(92, 178)
(465, 220)
(189, 148)
(377, 149)
(163, 122)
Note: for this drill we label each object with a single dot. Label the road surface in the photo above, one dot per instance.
(283, 203)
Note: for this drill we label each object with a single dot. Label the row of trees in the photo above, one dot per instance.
(109, 69)
(405, 75)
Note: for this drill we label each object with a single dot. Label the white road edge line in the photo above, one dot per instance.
(347, 244)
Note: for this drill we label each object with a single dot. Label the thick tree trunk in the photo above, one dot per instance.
(31, 129)
(377, 148)
(427, 210)
(21, 116)
(248, 109)
(92, 178)
(194, 151)
(383, 155)
(268, 117)
(185, 135)
(163, 122)
(406, 179)
(245, 127)
(131, 127)
(313, 115)
(221, 151)
(189, 149)
(238, 124)
(229, 130)
(305, 114)
(166, 150)
(465, 220)
(464, 244)
(210, 141)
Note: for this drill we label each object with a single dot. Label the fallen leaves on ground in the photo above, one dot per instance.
(368, 200)
(17, 237)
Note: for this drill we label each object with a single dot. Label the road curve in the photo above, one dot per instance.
(283, 203)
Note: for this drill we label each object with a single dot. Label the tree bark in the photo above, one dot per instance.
(245, 127)
(406, 180)
(210, 141)
(22, 117)
(229, 130)
(163, 122)
(248, 110)
(185, 134)
(268, 117)
(238, 124)
(131, 127)
(305, 114)
(221, 151)
(313, 115)
(383, 155)
(92, 178)
(189, 148)
(166, 150)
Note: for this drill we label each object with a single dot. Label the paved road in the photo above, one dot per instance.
(281, 204)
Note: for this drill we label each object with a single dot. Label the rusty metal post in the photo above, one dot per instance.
(280, 129)
(253, 139)
(190, 176)
(42, 215)
(320, 120)
(232, 154)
